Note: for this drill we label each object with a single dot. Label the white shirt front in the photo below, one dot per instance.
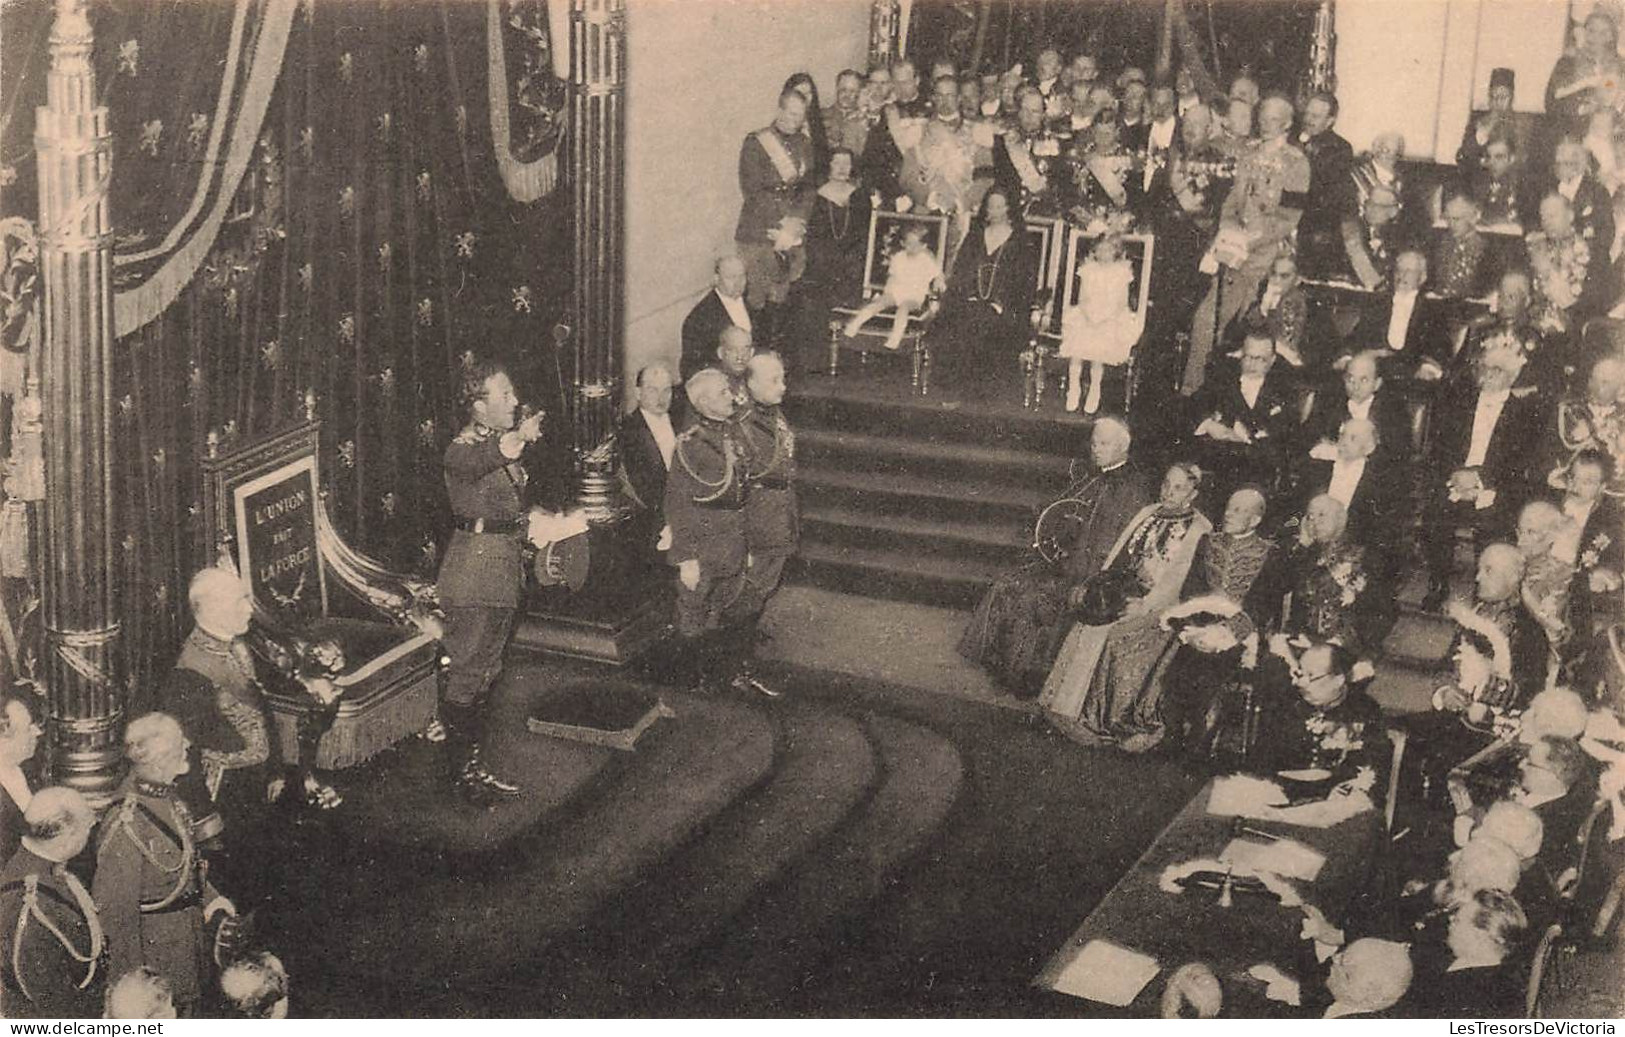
(1404, 304)
(736, 310)
(1569, 188)
(1361, 409)
(1487, 413)
(1250, 386)
(1345, 480)
(665, 436)
(1159, 138)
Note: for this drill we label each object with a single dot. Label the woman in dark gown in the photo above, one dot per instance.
(986, 311)
(837, 243)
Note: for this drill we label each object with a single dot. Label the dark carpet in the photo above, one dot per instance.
(855, 849)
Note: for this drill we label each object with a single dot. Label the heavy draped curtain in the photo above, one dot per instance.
(308, 200)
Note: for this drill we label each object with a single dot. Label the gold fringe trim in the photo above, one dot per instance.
(526, 181)
(141, 305)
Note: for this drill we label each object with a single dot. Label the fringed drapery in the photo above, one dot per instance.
(526, 181)
(348, 233)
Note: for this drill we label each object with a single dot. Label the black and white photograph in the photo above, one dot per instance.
(636, 510)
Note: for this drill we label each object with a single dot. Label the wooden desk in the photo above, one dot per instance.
(1176, 928)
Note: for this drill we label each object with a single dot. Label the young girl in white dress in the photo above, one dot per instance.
(910, 276)
(1101, 328)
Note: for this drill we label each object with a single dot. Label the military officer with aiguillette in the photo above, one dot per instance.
(772, 514)
(483, 568)
(705, 507)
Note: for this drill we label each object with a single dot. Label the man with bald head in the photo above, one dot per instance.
(647, 439)
(50, 929)
(1572, 178)
(1372, 488)
(1321, 585)
(705, 510)
(1590, 419)
(1363, 393)
(1017, 628)
(1256, 222)
(1403, 325)
(720, 308)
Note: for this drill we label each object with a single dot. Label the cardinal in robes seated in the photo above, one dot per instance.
(1019, 622)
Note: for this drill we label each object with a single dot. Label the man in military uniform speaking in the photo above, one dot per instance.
(483, 569)
(705, 508)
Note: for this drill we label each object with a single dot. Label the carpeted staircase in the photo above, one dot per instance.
(905, 498)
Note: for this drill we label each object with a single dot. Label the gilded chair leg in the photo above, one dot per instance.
(916, 363)
(834, 348)
(923, 359)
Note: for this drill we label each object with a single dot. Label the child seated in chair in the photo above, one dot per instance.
(912, 275)
(1101, 328)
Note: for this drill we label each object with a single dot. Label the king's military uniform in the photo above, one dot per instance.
(480, 580)
(52, 941)
(772, 514)
(153, 890)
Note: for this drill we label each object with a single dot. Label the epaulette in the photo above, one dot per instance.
(473, 433)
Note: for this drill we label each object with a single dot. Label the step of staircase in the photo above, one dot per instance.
(888, 573)
(998, 543)
(869, 452)
(886, 407)
(803, 921)
(938, 496)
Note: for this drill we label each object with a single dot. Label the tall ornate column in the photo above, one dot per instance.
(1323, 49)
(598, 176)
(82, 667)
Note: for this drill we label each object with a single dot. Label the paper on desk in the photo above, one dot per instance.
(1107, 973)
(1287, 858)
(1333, 810)
(1245, 796)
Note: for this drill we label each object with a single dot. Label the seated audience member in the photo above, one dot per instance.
(1498, 654)
(1591, 420)
(154, 895)
(1372, 487)
(986, 311)
(1498, 187)
(1242, 421)
(1497, 121)
(1019, 623)
(1591, 542)
(1570, 275)
(51, 931)
(1380, 168)
(1404, 325)
(1372, 236)
(647, 438)
(1102, 687)
(1478, 463)
(1280, 312)
(1553, 713)
(1592, 209)
(1509, 327)
(19, 738)
(1323, 725)
(1546, 578)
(1364, 978)
(913, 276)
(1365, 395)
(1461, 269)
(1476, 970)
(139, 994)
(1211, 623)
(720, 308)
(256, 987)
(1332, 598)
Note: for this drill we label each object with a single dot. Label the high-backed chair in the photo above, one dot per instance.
(264, 513)
(1044, 347)
(885, 239)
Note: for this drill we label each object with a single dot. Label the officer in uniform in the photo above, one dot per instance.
(50, 931)
(152, 888)
(772, 515)
(483, 569)
(705, 507)
(734, 350)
